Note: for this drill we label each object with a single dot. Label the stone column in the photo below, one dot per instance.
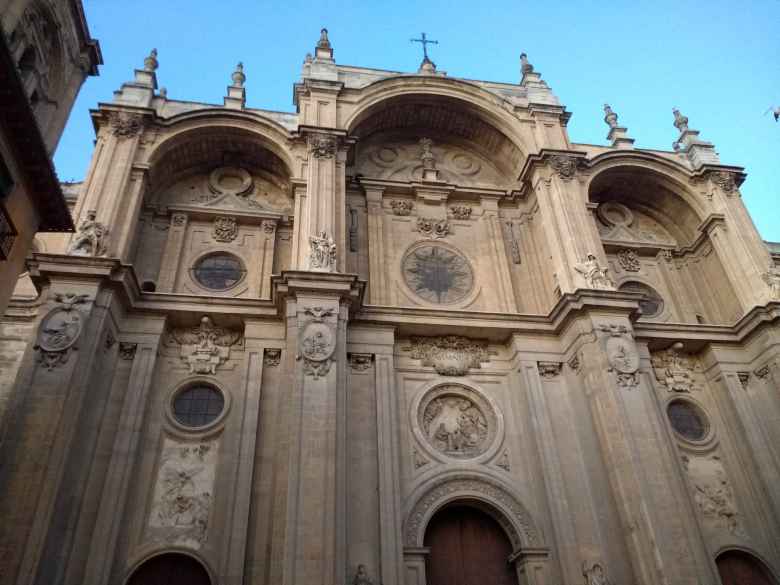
(267, 246)
(505, 293)
(377, 285)
(169, 265)
(322, 210)
(141, 351)
(644, 481)
(317, 311)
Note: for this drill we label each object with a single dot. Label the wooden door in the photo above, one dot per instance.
(738, 568)
(467, 547)
(170, 569)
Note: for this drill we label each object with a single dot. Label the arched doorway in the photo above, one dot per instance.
(467, 546)
(740, 568)
(170, 569)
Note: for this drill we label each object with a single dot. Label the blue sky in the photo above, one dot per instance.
(717, 61)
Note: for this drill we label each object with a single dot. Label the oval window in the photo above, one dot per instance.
(219, 271)
(687, 420)
(197, 406)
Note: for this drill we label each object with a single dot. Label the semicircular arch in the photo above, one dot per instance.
(486, 493)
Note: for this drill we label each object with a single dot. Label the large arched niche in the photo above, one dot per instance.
(655, 194)
(470, 145)
(170, 567)
(485, 493)
(737, 566)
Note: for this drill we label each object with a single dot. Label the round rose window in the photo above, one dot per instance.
(437, 274)
(687, 420)
(197, 406)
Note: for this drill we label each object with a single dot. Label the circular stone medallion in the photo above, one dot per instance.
(457, 421)
(60, 330)
(317, 342)
(437, 274)
(622, 355)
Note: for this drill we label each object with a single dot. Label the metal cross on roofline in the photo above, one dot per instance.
(425, 42)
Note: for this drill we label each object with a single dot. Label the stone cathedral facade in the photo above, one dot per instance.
(407, 334)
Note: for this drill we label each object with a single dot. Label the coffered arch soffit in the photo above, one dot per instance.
(656, 188)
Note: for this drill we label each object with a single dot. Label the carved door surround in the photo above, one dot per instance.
(530, 554)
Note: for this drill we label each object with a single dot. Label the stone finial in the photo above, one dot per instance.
(238, 76)
(525, 66)
(151, 63)
(427, 66)
(324, 42)
(680, 121)
(610, 117)
(308, 59)
(164, 93)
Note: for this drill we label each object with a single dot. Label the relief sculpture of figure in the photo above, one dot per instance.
(90, 239)
(595, 276)
(361, 577)
(772, 278)
(594, 574)
(322, 255)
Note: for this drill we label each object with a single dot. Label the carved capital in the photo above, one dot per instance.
(461, 211)
(127, 350)
(125, 125)
(725, 181)
(272, 357)
(322, 145)
(563, 166)
(549, 370)
(401, 206)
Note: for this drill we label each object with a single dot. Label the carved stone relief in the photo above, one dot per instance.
(230, 187)
(772, 279)
(433, 228)
(225, 229)
(317, 341)
(91, 238)
(724, 180)
(437, 274)
(361, 577)
(406, 159)
(549, 370)
(628, 260)
(675, 370)
(401, 206)
(621, 353)
(127, 350)
(450, 355)
(713, 494)
(594, 573)
(60, 330)
(272, 357)
(457, 421)
(360, 362)
(617, 222)
(125, 125)
(183, 493)
(461, 211)
(419, 459)
(322, 145)
(205, 347)
(563, 166)
(503, 461)
(596, 277)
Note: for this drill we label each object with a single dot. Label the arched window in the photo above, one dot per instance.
(170, 569)
(652, 305)
(740, 568)
(467, 546)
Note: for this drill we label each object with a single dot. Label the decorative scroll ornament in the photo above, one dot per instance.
(564, 166)
(772, 279)
(594, 574)
(762, 373)
(744, 378)
(622, 355)
(461, 211)
(322, 254)
(322, 145)
(183, 493)
(225, 229)
(724, 180)
(595, 276)
(549, 370)
(124, 125)
(574, 363)
(205, 347)
(433, 228)
(450, 355)
(90, 239)
(401, 206)
(628, 260)
(319, 314)
(272, 357)
(674, 370)
(60, 330)
(713, 494)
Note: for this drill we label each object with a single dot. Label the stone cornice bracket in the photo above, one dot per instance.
(449, 355)
(563, 163)
(360, 362)
(324, 143)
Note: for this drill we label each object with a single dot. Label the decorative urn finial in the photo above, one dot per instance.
(323, 43)
(680, 121)
(308, 59)
(150, 63)
(610, 117)
(238, 76)
(525, 66)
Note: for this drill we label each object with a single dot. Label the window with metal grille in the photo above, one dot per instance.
(197, 406)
